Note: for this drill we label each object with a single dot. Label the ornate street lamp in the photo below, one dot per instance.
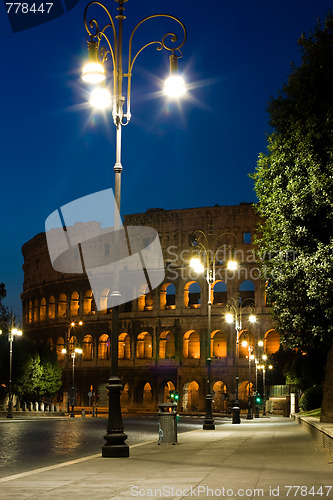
(106, 44)
(11, 334)
(210, 248)
(73, 392)
(238, 306)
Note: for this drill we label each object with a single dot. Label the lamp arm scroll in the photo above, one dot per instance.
(160, 46)
(99, 34)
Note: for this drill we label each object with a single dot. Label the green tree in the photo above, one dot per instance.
(294, 184)
(4, 313)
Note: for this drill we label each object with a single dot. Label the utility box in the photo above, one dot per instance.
(167, 427)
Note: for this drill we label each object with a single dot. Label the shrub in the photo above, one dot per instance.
(311, 398)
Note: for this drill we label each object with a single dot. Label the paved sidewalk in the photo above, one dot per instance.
(265, 458)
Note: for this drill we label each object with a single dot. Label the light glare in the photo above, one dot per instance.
(174, 86)
(229, 318)
(197, 265)
(232, 265)
(100, 98)
(93, 73)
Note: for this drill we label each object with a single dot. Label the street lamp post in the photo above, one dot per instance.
(249, 404)
(206, 244)
(94, 72)
(238, 306)
(76, 351)
(11, 334)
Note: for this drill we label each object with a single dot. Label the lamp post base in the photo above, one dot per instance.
(10, 410)
(236, 413)
(249, 415)
(115, 437)
(209, 421)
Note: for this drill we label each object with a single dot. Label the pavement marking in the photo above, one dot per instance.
(63, 464)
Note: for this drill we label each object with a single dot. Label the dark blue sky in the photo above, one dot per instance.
(53, 150)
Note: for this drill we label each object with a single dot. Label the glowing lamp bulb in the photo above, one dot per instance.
(229, 318)
(100, 98)
(174, 86)
(232, 265)
(197, 265)
(93, 72)
(244, 343)
(252, 318)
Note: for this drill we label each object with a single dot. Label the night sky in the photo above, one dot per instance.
(197, 153)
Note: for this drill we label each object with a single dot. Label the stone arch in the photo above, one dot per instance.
(124, 397)
(30, 311)
(243, 393)
(88, 303)
(192, 295)
(36, 311)
(218, 344)
(103, 347)
(144, 346)
(51, 308)
(169, 386)
(247, 292)
(219, 293)
(62, 305)
(74, 304)
(191, 396)
(87, 347)
(103, 301)
(246, 340)
(191, 345)
(42, 309)
(168, 296)
(219, 396)
(272, 340)
(60, 346)
(167, 347)
(147, 398)
(124, 346)
(72, 343)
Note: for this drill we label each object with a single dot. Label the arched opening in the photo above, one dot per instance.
(246, 342)
(72, 343)
(191, 345)
(148, 300)
(247, 292)
(104, 347)
(220, 291)
(59, 348)
(103, 301)
(192, 295)
(218, 344)
(124, 346)
(243, 393)
(30, 311)
(36, 311)
(168, 296)
(88, 303)
(167, 347)
(51, 308)
(166, 391)
(144, 346)
(62, 305)
(272, 342)
(50, 343)
(87, 347)
(147, 399)
(124, 397)
(74, 304)
(42, 310)
(220, 397)
(191, 396)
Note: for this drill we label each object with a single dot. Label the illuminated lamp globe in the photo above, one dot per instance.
(244, 343)
(197, 265)
(174, 86)
(252, 318)
(93, 72)
(100, 98)
(229, 318)
(232, 265)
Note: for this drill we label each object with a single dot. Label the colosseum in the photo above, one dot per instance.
(164, 340)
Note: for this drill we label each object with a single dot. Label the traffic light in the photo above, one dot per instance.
(258, 398)
(174, 396)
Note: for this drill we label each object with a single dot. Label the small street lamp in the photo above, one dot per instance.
(11, 334)
(263, 368)
(249, 404)
(106, 44)
(210, 247)
(238, 306)
(73, 392)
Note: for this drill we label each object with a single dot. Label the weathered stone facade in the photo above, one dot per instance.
(163, 341)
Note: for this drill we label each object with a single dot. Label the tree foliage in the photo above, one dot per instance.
(4, 313)
(294, 184)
